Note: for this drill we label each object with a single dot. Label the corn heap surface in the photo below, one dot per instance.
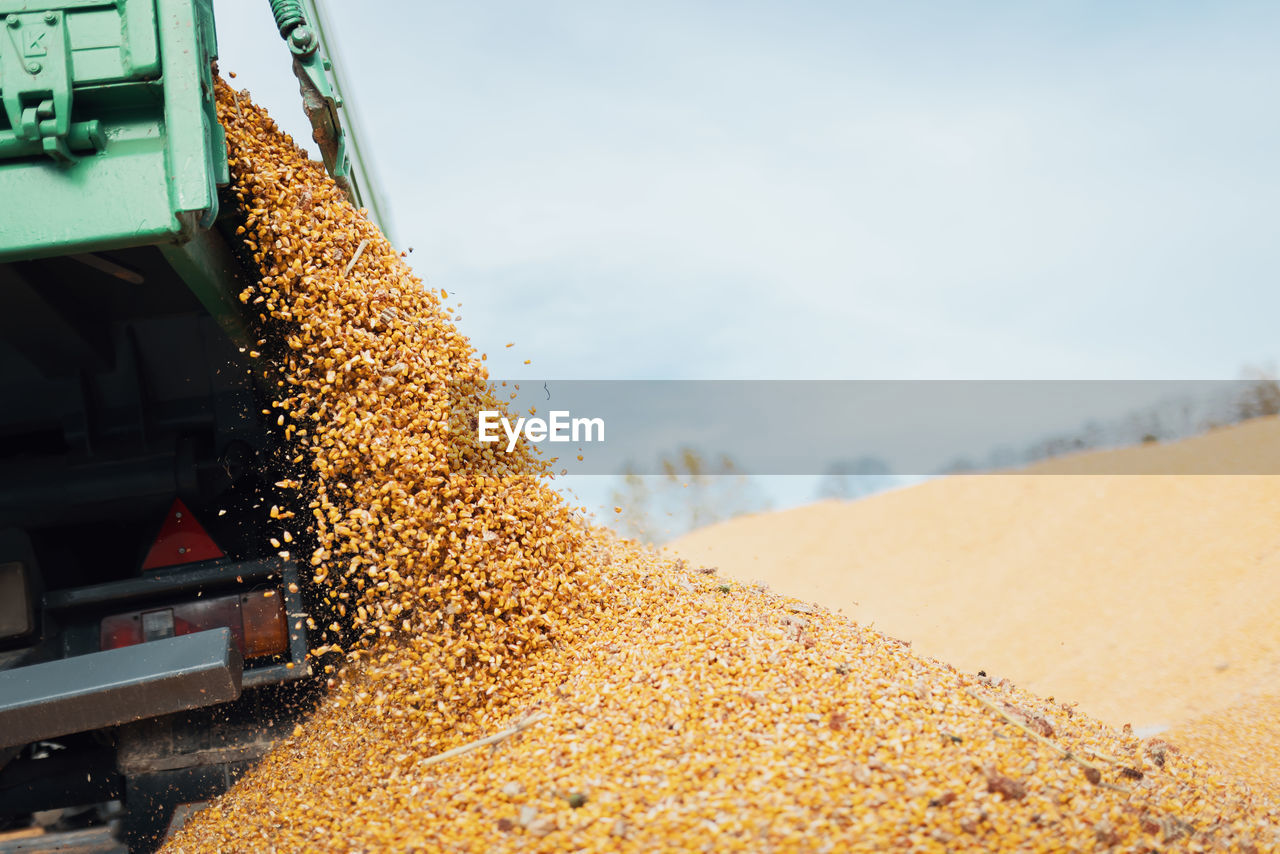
(1240, 739)
(423, 532)
(634, 703)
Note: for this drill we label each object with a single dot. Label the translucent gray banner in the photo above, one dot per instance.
(874, 427)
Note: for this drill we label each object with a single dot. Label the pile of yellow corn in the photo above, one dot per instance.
(1241, 739)
(528, 683)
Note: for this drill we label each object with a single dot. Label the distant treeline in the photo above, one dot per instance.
(695, 490)
(1257, 394)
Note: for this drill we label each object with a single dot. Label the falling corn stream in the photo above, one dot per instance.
(512, 678)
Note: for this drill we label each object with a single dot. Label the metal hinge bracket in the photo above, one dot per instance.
(35, 65)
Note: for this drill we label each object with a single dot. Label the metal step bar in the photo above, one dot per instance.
(116, 686)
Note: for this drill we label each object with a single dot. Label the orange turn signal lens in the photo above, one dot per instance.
(265, 629)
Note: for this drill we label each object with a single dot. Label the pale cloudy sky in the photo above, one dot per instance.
(824, 189)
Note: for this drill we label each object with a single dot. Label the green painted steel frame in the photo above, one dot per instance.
(211, 272)
(364, 187)
(155, 179)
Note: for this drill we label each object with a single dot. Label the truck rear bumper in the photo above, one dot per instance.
(101, 689)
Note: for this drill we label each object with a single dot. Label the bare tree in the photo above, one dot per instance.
(1261, 394)
(690, 492)
(850, 479)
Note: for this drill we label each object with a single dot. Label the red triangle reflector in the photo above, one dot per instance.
(181, 540)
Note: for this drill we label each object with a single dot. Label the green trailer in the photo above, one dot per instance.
(152, 646)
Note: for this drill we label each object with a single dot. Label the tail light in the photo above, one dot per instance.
(257, 622)
(265, 629)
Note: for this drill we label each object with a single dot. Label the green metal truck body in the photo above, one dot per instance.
(135, 467)
(129, 86)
